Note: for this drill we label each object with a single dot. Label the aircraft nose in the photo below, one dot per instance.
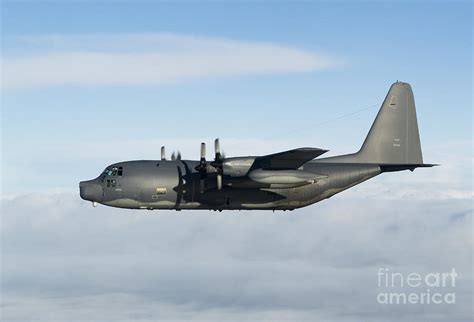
(90, 190)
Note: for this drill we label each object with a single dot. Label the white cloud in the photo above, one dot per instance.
(150, 59)
(62, 259)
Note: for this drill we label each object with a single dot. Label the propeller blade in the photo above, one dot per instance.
(203, 151)
(178, 157)
(218, 163)
(173, 156)
(180, 189)
(163, 154)
(202, 167)
(217, 149)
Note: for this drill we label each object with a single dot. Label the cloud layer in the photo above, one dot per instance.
(149, 59)
(64, 260)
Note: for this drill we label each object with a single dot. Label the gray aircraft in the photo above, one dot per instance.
(280, 181)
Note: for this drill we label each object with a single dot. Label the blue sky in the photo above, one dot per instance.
(86, 84)
(371, 44)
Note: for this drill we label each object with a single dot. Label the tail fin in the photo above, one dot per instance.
(393, 137)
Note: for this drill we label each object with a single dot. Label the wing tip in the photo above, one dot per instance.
(313, 149)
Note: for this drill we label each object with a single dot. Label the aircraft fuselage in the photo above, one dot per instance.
(166, 184)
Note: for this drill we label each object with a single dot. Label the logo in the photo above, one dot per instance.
(416, 288)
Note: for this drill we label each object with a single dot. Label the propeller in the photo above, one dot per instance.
(217, 164)
(173, 156)
(178, 156)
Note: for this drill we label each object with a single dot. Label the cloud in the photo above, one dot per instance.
(149, 59)
(65, 260)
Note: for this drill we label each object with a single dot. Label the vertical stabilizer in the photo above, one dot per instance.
(393, 137)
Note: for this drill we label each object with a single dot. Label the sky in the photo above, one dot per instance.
(85, 84)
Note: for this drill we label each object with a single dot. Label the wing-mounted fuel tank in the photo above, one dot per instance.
(283, 179)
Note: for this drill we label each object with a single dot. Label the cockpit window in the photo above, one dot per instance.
(115, 171)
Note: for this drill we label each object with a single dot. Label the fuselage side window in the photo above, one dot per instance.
(120, 171)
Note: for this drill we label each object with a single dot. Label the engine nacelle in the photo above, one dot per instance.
(237, 167)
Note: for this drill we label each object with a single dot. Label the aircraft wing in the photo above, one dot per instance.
(288, 160)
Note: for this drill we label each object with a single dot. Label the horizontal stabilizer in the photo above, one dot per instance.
(404, 166)
(288, 160)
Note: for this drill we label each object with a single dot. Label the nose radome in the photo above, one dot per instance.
(90, 190)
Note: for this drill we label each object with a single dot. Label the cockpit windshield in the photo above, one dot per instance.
(113, 172)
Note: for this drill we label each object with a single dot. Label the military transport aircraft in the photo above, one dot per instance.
(280, 181)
